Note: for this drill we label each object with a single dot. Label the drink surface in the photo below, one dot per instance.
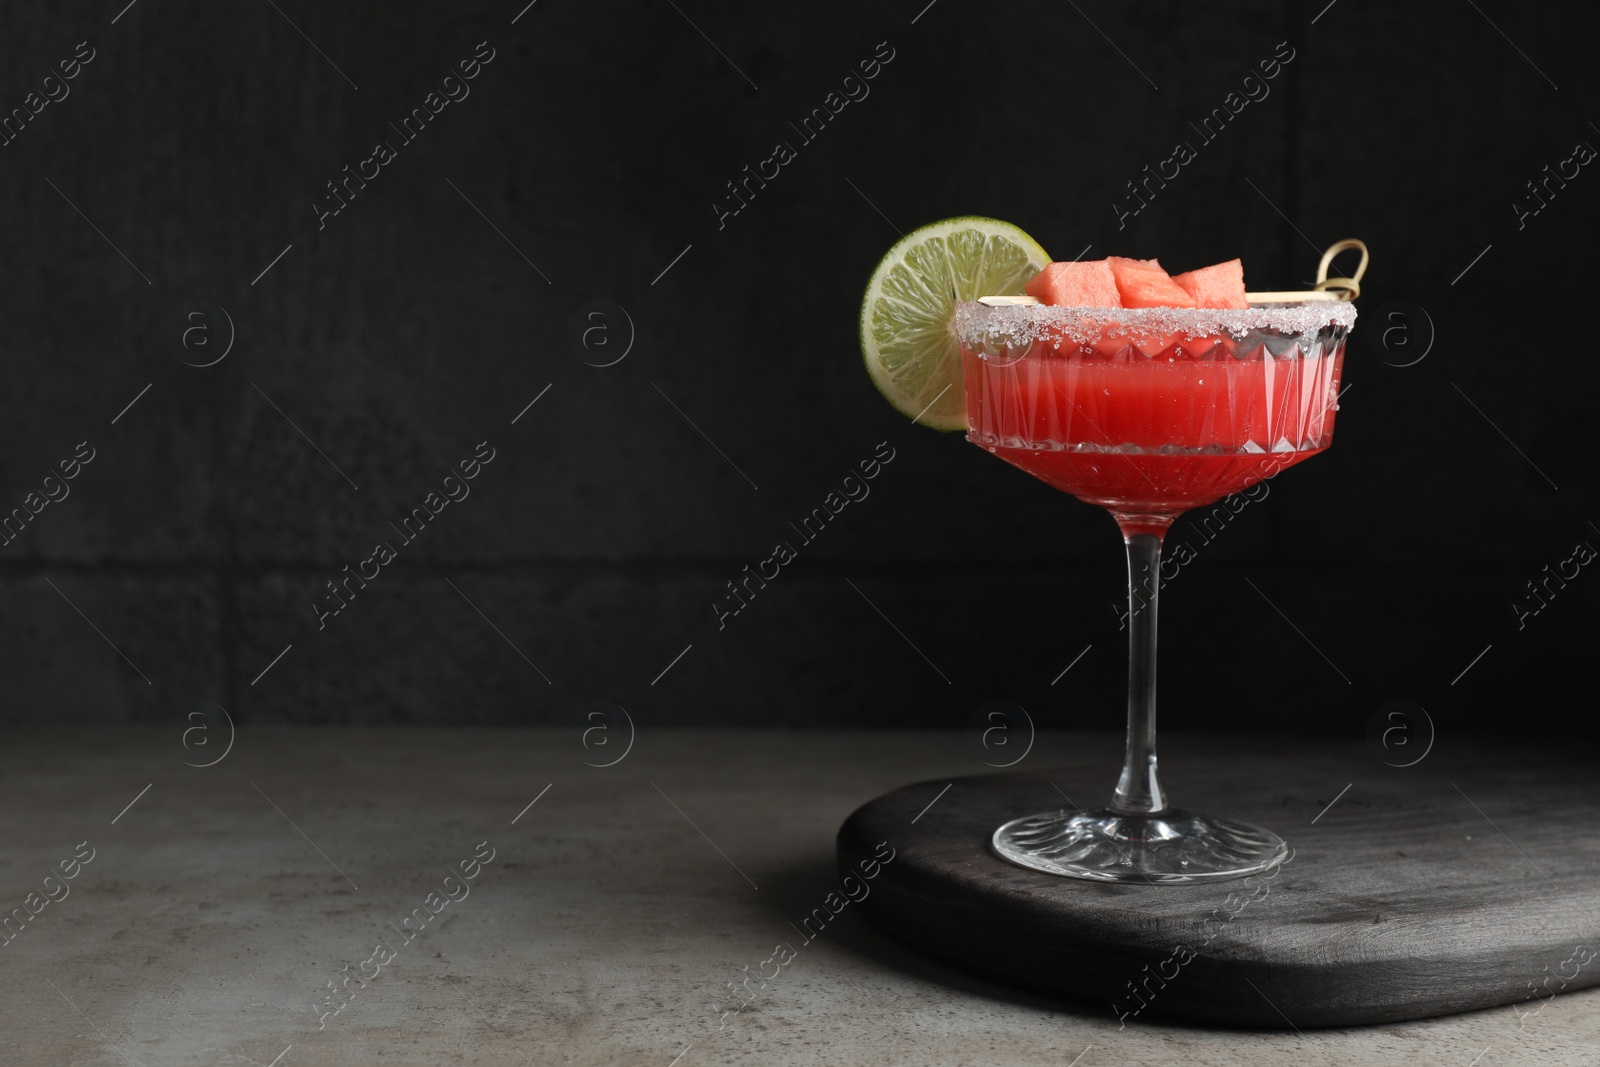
(1154, 428)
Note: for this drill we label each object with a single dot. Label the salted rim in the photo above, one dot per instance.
(975, 323)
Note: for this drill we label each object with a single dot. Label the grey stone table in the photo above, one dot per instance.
(175, 914)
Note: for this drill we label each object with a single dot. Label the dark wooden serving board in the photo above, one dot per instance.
(1404, 900)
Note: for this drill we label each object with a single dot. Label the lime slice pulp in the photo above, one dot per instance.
(906, 340)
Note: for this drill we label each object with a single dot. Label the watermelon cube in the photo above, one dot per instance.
(1143, 284)
(1083, 285)
(1218, 286)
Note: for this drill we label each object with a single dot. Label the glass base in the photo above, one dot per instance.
(1172, 848)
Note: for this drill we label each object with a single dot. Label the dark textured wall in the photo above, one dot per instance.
(396, 335)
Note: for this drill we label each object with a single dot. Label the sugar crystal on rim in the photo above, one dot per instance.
(991, 328)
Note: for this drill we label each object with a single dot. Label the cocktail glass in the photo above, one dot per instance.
(1149, 412)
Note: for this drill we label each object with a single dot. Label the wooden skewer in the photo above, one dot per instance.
(1296, 296)
(1327, 289)
(1009, 301)
(1287, 297)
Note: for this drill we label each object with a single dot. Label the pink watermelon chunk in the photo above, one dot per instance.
(1083, 285)
(1143, 284)
(1217, 286)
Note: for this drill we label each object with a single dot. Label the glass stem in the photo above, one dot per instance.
(1139, 791)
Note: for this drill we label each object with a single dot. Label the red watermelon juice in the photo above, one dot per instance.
(1151, 423)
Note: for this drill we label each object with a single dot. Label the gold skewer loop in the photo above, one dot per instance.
(1348, 288)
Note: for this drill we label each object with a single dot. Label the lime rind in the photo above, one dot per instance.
(906, 340)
